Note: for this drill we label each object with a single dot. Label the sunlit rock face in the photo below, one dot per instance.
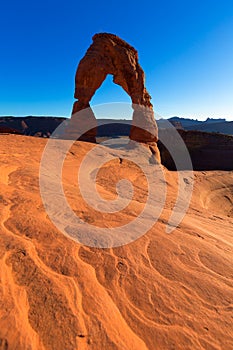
(108, 54)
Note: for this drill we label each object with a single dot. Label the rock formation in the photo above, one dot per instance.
(109, 54)
(208, 151)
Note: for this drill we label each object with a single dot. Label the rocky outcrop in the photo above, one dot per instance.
(7, 130)
(208, 151)
(109, 54)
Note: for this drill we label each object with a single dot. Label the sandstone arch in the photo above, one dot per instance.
(108, 54)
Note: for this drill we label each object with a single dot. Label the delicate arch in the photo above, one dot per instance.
(108, 54)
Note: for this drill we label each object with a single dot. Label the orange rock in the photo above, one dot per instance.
(109, 54)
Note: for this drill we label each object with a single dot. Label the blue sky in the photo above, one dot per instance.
(185, 49)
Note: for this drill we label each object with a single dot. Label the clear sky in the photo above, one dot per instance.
(185, 49)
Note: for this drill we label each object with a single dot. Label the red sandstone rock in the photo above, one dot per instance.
(109, 54)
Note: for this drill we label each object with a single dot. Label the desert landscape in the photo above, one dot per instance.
(163, 291)
(116, 175)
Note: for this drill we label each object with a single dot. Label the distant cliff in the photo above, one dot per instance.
(208, 151)
(209, 125)
(32, 126)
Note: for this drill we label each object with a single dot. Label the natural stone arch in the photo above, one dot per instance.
(108, 54)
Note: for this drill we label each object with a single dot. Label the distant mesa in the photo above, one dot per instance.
(109, 54)
(218, 125)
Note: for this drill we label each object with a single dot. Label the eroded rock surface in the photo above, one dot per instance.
(159, 292)
(109, 54)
